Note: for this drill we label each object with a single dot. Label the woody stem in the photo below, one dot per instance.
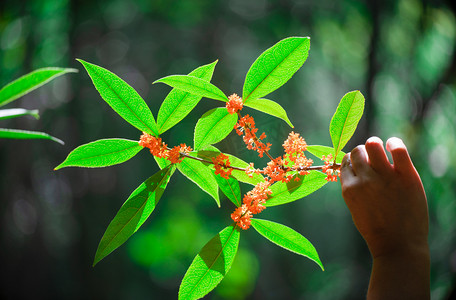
(334, 166)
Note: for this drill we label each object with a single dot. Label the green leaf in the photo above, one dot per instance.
(178, 104)
(194, 85)
(201, 175)
(18, 112)
(29, 82)
(133, 213)
(25, 134)
(210, 265)
(319, 151)
(230, 187)
(101, 153)
(235, 162)
(283, 193)
(287, 238)
(214, 126)
(269, 107)
(275, 66)
(345, 119)
(241, 175)
(122, 98)
(162, 162)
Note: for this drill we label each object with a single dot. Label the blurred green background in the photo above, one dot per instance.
(400, 54)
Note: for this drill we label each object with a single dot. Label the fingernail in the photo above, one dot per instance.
(346, 161)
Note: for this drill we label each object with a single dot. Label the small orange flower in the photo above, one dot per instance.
(294, 146)
(242, 216)
(276, 171)
(156, 146)
(331, 173)
(234, 104)
(221, 163)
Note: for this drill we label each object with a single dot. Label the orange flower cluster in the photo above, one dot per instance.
(221, 164)
(234, 104)
(294, 147)
(246, 126)
(331, 173)
(253, 203)
(277, 169)
(159, 149)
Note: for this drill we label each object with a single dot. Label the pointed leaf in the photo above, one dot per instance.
(288, 192)
(235, 162)
(210, 265)
(201, 175)
(101, 153)
(275, 66)
(230, 187)
(194, 85)
(122, 98)
(214, 126)
(319, 151)
(29, 82)
(162, 162)
(178, 104)
(133, 213)
(269, 107)
(241, 175)
(25, 134)
(287, 238)
(18, 112)
(345, 119)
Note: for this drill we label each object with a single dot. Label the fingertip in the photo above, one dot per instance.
(346, 170)
(359, 159)
(394, 143)
(401, 158)
(374, 140)
(345, 161)
(377, 156)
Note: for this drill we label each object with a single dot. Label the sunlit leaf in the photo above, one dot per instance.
(345, 119)
(25, 134)
(210, 265)
(319, 151)
(275, 66)
(201, 175)
(18, 112)
(101, 153)
(287, 238)
(178, 103)
(230, 187)
(214, 126)
(288, 192)
(162, 162)
(122, 98)
(194, 85)
(269, 107)
(133, 213)
(29, 82)
(234, 161)
(242, 175)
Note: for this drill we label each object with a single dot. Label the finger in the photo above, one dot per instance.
(346, 170)
(401, 158)
(359, 160)
(377, 156)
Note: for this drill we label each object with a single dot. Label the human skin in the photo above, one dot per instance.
(389, 208)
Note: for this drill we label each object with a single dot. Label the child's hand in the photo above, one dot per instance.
(389, 208)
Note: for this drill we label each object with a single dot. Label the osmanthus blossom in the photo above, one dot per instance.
(160, 149)
(234, 104)
(221, 164)
(280, 169)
